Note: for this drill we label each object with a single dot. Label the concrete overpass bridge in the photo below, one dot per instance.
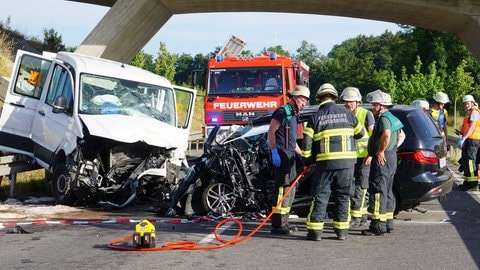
(129, 25)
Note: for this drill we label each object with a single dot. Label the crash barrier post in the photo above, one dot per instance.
(12, 164)
(3, 87)
(195, 143)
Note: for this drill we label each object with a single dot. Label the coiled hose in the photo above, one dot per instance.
(189, 245)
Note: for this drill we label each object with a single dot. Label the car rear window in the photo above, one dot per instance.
(420, 124)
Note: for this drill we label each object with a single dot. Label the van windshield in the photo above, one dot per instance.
(104, 95)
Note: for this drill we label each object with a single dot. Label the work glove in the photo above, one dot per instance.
(460, 142)
(276, 158)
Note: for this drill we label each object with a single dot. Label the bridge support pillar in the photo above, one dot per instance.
(117, 37)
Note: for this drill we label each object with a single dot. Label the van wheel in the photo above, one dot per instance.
(61, 188)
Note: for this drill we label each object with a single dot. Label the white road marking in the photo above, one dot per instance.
(210, 237)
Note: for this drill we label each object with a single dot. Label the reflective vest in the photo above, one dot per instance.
(466, 124)
(362, 143)
(441, 116)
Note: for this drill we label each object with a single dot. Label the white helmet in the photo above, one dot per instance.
(467, 98)
(351, 94)
(422, 103)
(301, 90)
(325, 89)
(380, 97)
(441, 97)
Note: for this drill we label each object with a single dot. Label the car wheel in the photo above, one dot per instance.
(219, 198)
(395, 200)
(61, 182)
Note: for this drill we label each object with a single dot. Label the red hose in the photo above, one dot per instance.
(189, 245)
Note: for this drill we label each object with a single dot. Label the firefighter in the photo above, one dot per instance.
(439, 113)
(328, 140)
(421, 103)
(358, 209)
(282, 139)
(382, 146)
(469, 143)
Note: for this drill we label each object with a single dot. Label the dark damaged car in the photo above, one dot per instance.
(235, 168)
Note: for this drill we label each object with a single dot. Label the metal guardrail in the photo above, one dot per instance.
(12, 164)
(452, 140)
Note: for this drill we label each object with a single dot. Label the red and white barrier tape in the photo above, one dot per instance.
(98, 222)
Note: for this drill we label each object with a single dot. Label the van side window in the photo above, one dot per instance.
(31, 76)
(61, 85)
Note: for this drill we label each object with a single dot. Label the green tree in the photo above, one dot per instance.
(278, 49)
(458, 84)
(386, 81)
(52, 41)
(308, 53)
(165, 63)
(138, 60)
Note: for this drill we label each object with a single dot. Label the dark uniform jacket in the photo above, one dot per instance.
(329, 138)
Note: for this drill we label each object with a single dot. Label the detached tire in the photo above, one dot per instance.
(61, 185)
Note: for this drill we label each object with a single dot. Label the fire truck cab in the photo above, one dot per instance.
(240, 89)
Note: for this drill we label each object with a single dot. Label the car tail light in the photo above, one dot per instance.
(420, 156)
(436, 190)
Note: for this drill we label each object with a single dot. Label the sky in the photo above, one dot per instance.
(194, 33)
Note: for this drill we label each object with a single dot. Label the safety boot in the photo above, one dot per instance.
(313, 235)
(355, 223)
(281, 231)
(389, 225)
(341, 234)
(376, 228)
(280, 225)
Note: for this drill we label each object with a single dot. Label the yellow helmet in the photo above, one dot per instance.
(325, 89)
(351, 94)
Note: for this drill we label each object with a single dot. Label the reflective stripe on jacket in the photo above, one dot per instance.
(329, 138)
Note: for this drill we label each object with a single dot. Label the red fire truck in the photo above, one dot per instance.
(242, 88)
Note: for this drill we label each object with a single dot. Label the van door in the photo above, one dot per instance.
(21, 101)
(52, 131)
(185, 106)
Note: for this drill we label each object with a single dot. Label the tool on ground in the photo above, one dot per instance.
(144, 235)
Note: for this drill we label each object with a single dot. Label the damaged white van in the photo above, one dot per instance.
(106, 132)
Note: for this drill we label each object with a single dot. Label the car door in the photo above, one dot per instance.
(52, 130)
(21, 101)
(185, 106)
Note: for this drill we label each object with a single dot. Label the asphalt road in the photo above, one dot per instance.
(447, 236)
